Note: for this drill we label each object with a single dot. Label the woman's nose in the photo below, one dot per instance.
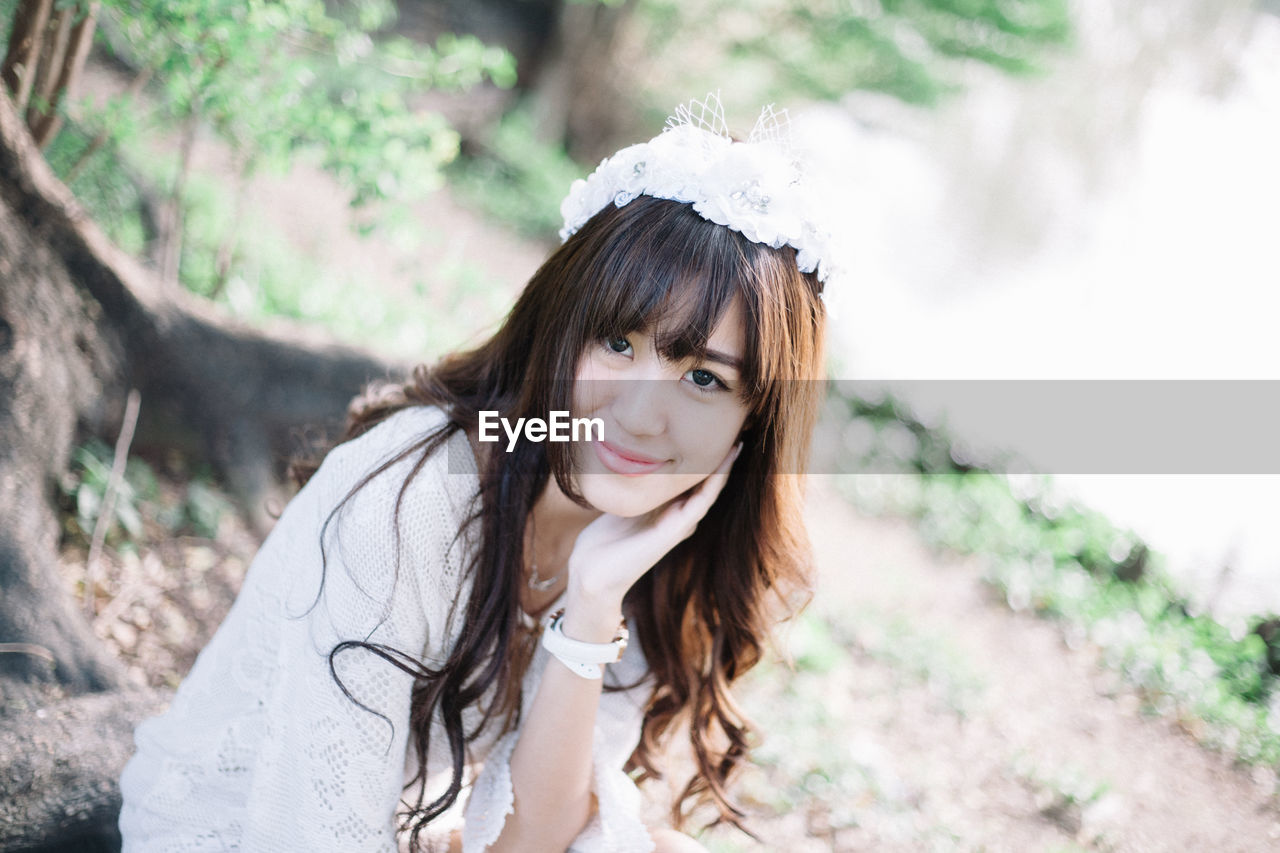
(638, 406)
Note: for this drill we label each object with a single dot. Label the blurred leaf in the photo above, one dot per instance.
(205, 508)
(813, 646)
(787, 50)
(516, 178)
(275, 81)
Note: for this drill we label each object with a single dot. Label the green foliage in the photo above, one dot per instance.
(140, 502)
(1062, 794)
(770, 50)
(516, 178)
(275, 78)
(802, 722)
(86, 486)
(275, 82)
(204, 508)
(917, 655)
(913, 50)
(1070, 563)
(103, 187)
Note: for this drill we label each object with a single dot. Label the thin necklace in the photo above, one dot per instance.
(535, 583)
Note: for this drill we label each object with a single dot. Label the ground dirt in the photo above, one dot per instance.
(1048, 752)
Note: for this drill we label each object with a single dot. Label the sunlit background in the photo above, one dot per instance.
(1113, 220)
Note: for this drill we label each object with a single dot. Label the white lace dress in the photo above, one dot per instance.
(261, 751)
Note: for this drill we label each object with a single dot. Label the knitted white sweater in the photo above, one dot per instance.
(261, 751)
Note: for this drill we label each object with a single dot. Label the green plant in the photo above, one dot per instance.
(84, 488)
(915, 654)
(1066, 784)
(102, 185)
(273, 78)
(273, 277)
(204, 508)
(792, 50)
(144, 508)
(516, 178)
(272, 82)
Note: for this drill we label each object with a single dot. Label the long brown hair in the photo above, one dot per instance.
(703, 613)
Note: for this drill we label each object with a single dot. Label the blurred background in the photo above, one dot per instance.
(1030, 190)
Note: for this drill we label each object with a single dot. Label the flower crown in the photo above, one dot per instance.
(756, 188)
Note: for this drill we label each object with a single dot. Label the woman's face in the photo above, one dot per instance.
(667, 425)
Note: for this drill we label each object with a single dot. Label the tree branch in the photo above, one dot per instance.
(75, 53)
(108, 507)
(56, 35)
(25, 40)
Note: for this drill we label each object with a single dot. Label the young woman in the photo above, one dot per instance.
(431, 643)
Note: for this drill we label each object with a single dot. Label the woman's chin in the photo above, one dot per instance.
(608, 500)
(631, 497)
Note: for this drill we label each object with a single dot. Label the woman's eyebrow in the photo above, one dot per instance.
(672, 353)
(723, 358)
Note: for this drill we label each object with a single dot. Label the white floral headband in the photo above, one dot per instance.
(755, 187)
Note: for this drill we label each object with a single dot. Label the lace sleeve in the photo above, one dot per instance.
(616, 826)
(262, 749)
(384, 585)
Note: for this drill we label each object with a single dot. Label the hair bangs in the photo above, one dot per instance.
(668, 272)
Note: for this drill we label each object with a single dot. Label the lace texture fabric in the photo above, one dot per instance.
(261, 750)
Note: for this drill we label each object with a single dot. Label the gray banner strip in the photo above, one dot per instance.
(1062, 426)
(1228, 427)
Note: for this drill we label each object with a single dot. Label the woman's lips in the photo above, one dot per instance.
(626, 462)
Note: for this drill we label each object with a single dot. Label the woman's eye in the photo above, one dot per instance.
(617, 343)
(705, 379)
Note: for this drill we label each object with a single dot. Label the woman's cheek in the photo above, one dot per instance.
(707, 441)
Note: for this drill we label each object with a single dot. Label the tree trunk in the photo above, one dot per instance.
(58, 790)
(58, 366)
(576, 94)
(80, 323)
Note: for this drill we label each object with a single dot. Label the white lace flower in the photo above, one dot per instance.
(757, 187)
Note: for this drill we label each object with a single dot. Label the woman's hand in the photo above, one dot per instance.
(612, 553)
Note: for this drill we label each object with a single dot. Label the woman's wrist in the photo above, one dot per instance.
(590, 619)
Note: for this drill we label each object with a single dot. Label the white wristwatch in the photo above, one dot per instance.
(584, 659)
